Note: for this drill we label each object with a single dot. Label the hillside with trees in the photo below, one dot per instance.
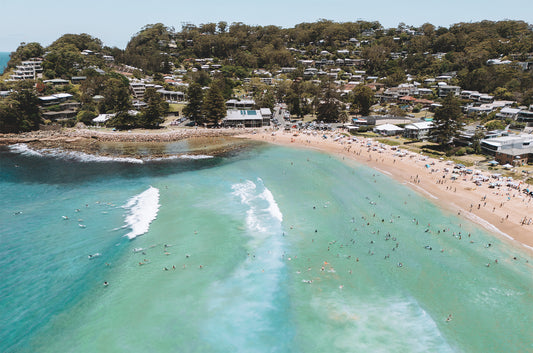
(271, 65)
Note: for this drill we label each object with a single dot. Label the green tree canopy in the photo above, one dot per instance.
(214, 104)
(193, 109)
(152, 115)
(20, 112)
(363, 98)
(329, 108)
(447, 120)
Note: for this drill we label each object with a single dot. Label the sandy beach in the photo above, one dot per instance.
(503, 210)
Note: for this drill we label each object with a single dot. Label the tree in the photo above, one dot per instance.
(86, 117)
(20, 112)
(116, 96)
(193, 109)
(151, 116)
(214, 104)
(329, 109)
(123, 121)
(61, 61)
(363, 98)
(447, 120)
(294, 100)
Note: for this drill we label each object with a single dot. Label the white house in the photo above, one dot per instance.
(245, 104)
(445, 90)
(243, 118)
(418, 130)
(388, 129)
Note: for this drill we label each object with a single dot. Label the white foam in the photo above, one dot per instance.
(241, 304)
(142, 210)
(23, 149)
(263, 217)
(380, 325)
(182, 156)
(424, 191)
(483, 222)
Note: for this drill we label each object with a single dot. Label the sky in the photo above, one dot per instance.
(116, 21)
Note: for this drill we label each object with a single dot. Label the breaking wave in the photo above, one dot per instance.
(25, 150)
(142, 210)
(246, 306)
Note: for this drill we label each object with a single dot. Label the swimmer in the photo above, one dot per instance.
(106, 284)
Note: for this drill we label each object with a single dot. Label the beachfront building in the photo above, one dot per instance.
(418, 131)
(388, 130)
(514, 150)
(243, 118)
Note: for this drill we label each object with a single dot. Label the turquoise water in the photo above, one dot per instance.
(274, 249)
(4, 59)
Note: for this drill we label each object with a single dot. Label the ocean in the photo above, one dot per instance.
(264, 249)
(4, 59)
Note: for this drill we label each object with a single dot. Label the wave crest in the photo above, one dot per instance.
(77, 156)
(142, 210)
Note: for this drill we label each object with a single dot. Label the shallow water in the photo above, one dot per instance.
(274, 249)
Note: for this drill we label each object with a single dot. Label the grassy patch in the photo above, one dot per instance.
(390, 142)
(176, 107)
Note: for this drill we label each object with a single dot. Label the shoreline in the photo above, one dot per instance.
(105, 135)
(500, 210)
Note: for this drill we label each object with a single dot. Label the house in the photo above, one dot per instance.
(28, 70)
(172, 96)
(419, 130)
(137, 89)
(515, 150)
(57, 82)
(525, 116)
(425, 92)
(243, 118)
(266, 113)
(388, 130)
(77, 79)
(444, 90)
(508, 113)
(245, 104)
(54, 99)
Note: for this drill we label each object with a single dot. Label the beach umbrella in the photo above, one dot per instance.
(507, 166)
(494, 163)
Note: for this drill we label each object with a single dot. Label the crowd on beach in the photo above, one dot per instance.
(498, 203)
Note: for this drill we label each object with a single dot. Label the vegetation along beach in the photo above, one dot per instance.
(326, 187)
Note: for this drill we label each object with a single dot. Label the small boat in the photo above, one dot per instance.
(82, 225)
(93, 256)
(136, 250)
